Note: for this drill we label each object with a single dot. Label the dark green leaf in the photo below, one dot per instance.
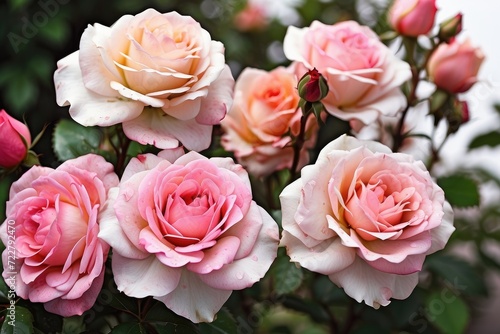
(450, 315)
(307, 306)
(4, 292)
(491, 139)
(19, 320)
(460, 190)
(497, 107)
(370, 329)
(55, 31)
(326, 292)
(72, 140)
(21, 92)
(287, 276)
(166, 321)
(73, 325)
(460, 277)
(129, 328)
(223, 324)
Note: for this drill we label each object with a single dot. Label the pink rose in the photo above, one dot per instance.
(362, 74)
(12, 132)
(412, 17)
(448, 58)
(365, 217)
(184, 229)
(252, 17)
(265, 108)
(53, 217)
(160, 75)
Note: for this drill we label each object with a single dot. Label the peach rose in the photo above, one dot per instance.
(362, 74)
(53, 219)
(412, 17)
(265, 108)
(365, 217)
(184, 229)
(160, 75)
(15, 138)
(454, 66)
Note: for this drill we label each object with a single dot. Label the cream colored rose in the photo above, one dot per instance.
(161, 75)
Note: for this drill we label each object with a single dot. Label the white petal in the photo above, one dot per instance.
(133, 95)
(95, 74)
(219, 99)
(195, 300)
(154, 127)
(146, 277)
(326, 258)
(375, 288)
(293, 44)
(111, 231)
(442, 233)
(139, 164)
(87, 107)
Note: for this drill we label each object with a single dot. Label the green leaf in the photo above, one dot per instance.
(16, 4)
(460, 190)
(497, 107)
(491, 139)
(450, 315)
(55, 31)
(4, 291)
(72, 140)
(287, 276)
(327, 293)
(45, 321)
(166, 321)
(21, 93)
(307, 306)
(73, 325)
(17, 321)
(129, 328)
(223, 324)
(459, 276)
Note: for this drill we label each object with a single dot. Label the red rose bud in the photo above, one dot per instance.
(312, 86)
(458, 116)
(16, 140)
(450, 28)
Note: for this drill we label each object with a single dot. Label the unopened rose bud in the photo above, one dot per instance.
(450, 28)
(412, 17)
(312, 86)
(458, 115)
(454, 67)
(16, 140)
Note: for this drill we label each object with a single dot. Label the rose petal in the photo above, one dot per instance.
(70, 90)
(145, 277)
(163, 131)
(244, 272)
(194, 300)
(375, 288)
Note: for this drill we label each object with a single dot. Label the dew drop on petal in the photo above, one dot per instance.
(239, 275)
(127, 194)
(255, 258)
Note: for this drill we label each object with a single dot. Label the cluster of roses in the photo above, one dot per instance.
(184, 228)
